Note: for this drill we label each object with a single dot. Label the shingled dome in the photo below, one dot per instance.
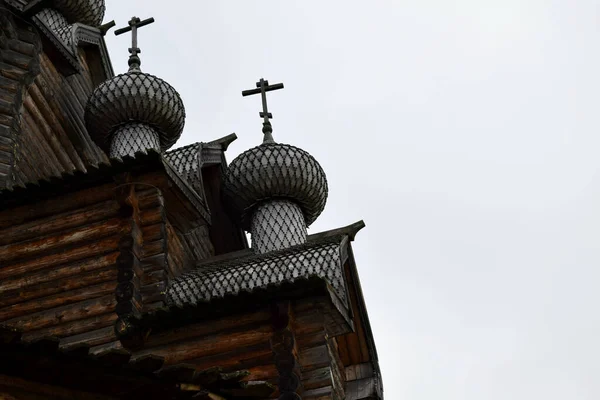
(274, 171)
(135, 97)
(89, 12)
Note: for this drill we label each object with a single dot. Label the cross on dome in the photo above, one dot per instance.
(134, 24)
(264, 87)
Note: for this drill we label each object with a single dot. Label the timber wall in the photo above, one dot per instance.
(57, 265)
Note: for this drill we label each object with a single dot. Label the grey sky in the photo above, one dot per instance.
(465, 133)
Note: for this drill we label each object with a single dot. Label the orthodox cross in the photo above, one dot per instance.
(263, 87)
(134, 24)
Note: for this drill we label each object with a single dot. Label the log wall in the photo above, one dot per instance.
(19, 64)
(57, 265)
(42, 127)
(53, 136)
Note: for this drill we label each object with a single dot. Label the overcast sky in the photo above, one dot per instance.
(465, 133)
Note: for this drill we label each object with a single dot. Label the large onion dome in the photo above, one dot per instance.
(89, 12)
(274, 171)
(135, 97)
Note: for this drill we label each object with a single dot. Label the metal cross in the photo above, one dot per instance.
(134, 24)
(263, 87)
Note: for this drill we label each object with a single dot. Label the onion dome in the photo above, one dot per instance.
(135, 111)
(89, 12)
(275, 171)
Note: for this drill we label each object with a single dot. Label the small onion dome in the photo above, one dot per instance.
(89, 12)
(274, 171)
(135, 97)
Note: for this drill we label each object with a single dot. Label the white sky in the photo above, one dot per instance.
(465, 133)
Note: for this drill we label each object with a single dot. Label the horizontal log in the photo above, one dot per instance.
(85, 251)
(154, 232)
(241, 358)
(64, 314)
(311, 339)
(56, 205)
(56, 223)
(53, 242)
(92, 338)
(317, 378)
(106, 347)
(84, 269)
(63, 298)
(266, 372)
(153, 248)
(157, 262)
(152, 216)
(236, 323)
(314, 358)
(209, 345)
(149, 198)
(323, 393)
(72, 328)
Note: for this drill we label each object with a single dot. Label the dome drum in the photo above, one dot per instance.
(133, 138)
(277, 225)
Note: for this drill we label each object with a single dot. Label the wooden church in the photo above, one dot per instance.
(125, 272)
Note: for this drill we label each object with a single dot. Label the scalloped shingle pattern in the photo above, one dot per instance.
(89, 12)
(271, 171)
(277, 225)
(135, 97)
(57, 24)
(215, 281)
(134, 138)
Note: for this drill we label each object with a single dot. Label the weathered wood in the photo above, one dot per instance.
(92, 338)
(230, 323)
(64, 314)
(356, 342)
(52, 242)
(59, 222)
(56, 205)
(47, 303)
(209, 345)
(73, 328)
(86, 250)
(152, 216)
(314, 358)
(61, 273)
(241, 358)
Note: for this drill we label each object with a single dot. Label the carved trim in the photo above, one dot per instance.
(68, 61)
(90, 35)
